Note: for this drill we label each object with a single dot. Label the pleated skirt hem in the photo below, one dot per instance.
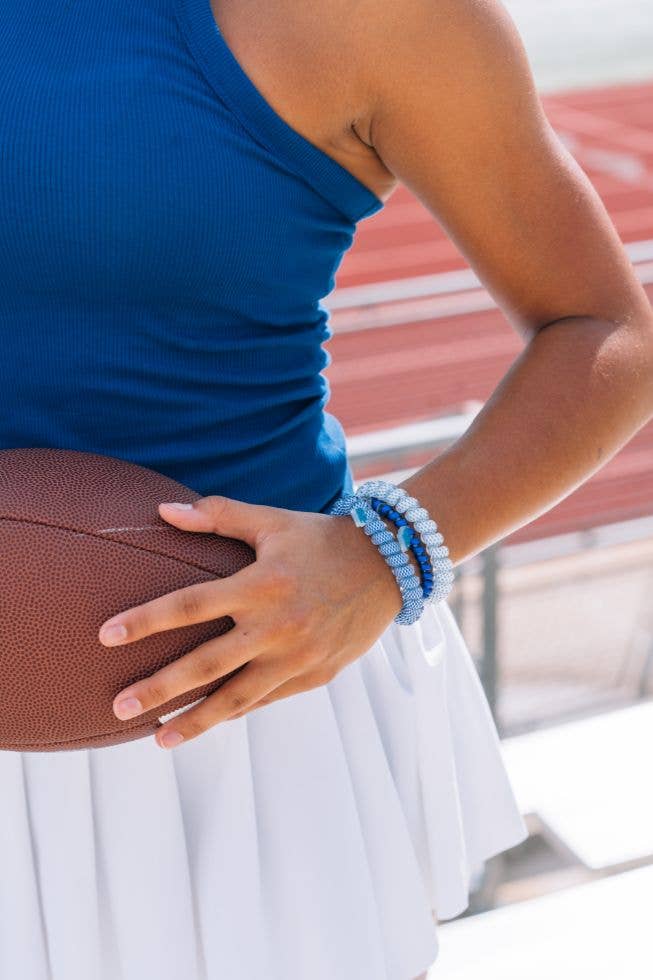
(311, 839)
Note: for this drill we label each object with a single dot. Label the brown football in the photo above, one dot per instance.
(81, 540)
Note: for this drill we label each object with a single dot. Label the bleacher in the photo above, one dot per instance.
(586, 787)
(588, 784)
(595, 931)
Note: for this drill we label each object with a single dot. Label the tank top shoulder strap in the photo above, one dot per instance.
(235, 88)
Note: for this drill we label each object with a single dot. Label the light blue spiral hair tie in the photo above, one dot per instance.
(411, 519)
(409, 584)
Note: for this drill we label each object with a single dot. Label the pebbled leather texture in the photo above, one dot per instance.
(81, 540)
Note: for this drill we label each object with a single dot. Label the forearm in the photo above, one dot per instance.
(574, 396)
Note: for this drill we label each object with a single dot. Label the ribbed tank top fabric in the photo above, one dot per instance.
(167, 238)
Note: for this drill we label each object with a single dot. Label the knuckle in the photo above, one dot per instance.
(216, 658)
(155, 693)
(190, 727)
(217, 505)
(138, 622)
(237, 701)
(190, 604)
(208, 668)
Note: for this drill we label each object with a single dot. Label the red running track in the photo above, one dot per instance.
(431, 356)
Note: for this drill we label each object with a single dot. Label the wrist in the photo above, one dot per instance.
(416, 532)
(412, 528)
(401, 578)
(373, 576)
(435, 487)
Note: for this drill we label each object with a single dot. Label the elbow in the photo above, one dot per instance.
(620, 353)
(637, 329)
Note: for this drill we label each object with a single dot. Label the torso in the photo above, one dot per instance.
(165, 242)
(305, 64)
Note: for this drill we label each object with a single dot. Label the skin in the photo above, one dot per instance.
(439, 96)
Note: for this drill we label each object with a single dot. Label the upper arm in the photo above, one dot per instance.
(456, 117)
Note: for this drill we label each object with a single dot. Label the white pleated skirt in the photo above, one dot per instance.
(310, 839)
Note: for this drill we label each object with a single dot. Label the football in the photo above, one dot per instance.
(81, 540)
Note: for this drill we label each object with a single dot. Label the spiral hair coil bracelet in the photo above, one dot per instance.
(416, 531)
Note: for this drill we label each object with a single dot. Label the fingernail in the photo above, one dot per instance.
(128, 708)
(170, 739)
(177, 505)
(113, 634)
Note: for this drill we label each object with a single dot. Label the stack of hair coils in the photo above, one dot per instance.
(417, 532)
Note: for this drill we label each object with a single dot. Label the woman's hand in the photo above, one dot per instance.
(317, 597)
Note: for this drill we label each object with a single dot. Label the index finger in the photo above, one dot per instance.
(195, 603)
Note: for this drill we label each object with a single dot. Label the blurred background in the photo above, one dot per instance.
(559, 615)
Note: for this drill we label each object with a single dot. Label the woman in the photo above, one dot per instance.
(180, 180)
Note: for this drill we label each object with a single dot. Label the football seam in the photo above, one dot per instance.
(130, 729)
(124, 544)
(91, 534)
(134, 728)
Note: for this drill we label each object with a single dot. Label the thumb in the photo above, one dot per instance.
(226, 516)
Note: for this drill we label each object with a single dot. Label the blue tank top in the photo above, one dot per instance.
(166, 238)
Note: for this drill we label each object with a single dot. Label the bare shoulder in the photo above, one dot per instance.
(452, 111)
(439, 94)
(443, 68)
(402, 77)
(310, 62)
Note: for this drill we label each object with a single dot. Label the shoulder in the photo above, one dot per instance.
(406, 76)
(447, 56)
(454, 113)
(362, 80)
(309, 62)
(451, 105)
